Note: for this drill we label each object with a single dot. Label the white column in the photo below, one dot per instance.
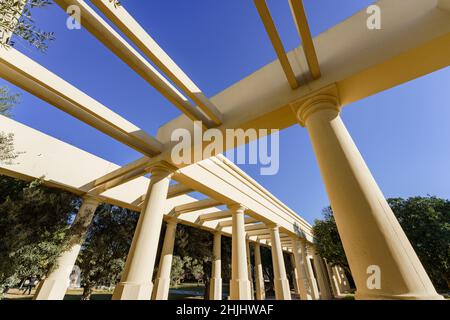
(162, 281)
(341, 278)
(55, 285)
(301, 277)
(280, 280)
(136, 281)
(309, 271)
(259, 276)
(239, 284)
(383, 262)
(295, 275)
(343, 275)
(249, 266)
(215, 292)
(322, 279)
(333, 281)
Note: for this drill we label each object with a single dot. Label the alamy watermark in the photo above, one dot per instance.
(263, 147)
(374, 19)
(374, 280)
(73, 21)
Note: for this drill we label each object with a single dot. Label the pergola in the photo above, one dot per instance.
(309, 86)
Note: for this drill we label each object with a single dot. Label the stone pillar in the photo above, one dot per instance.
(322, 279)
(296, 274)
(259, 276)
(55, 285)
(11, 19)
(249, 266)
(344, 280)
(341, 278)
(301, 277)
(337, 276)
(136, 281)
(162, 281)
(309, 271)
(215, 291)
(239, 284)
(383, 262)
(282, 291)
(333, 280)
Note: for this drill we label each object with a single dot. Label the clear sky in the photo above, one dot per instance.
(402, 133)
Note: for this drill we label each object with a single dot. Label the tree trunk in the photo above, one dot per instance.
(87, 292)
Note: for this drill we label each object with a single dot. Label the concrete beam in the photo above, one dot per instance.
(134, 31)
(258, 232)
(301, 22)
(256, 226)
(352, 58)
(274, 37)
(214, 216)
(34, 78)
(178, 189)
(99, 28)
(197, 205)
(229, 223)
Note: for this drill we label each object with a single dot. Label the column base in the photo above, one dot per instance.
(260, 296)
(215, 292)
(52, 289)
(282, 290)
(133, 291)
(260, 292)
(240, 290)
(386, 296)
(161, 289)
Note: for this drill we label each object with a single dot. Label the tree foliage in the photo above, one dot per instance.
(194, 248)
(426, 222)
(16, 18)
(33, 224)
(104, 252)
(328, 241)
(7, 101)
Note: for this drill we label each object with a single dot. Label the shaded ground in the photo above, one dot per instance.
(182, 292)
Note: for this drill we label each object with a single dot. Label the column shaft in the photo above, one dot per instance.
(301, 277)
(136, 282)
(57, 281)
(324, 288)
(383, 262)
(162, 281)
(239, 284)
(309, 272)
(215, 292)
(250, 274)
(295, 274)
(260, 290)
(282, 291)
(334, 286)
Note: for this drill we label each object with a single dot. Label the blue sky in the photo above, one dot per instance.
(402, 133)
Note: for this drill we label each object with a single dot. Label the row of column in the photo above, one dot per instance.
(383, 262)
(136, 280)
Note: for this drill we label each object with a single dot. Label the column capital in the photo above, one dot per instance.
(236, 208)
(171, 221)
(325, 99)
(161, 168)
(273, 226)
